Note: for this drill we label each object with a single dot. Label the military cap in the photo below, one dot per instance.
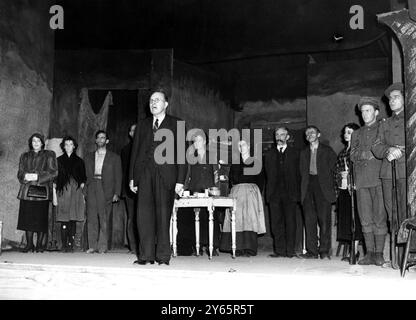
(394, 86)
(369, 100)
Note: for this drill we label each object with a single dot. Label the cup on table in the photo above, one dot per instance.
(186, 193)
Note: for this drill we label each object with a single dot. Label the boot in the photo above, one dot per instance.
(369, 241)
(380, 241)
(368, 259)
(379, 259)
(346, 252)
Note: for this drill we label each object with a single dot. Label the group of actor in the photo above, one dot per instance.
(314, 177)
(73, 184)
(359, 180)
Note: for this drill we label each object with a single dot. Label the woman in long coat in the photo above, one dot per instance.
(37, 169)
(69, 185)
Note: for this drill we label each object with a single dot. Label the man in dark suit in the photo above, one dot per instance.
(282, 193)
(104, 175)
(154, 181)
(127, 194)
(317, 193)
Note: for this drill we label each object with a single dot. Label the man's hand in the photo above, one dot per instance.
(31, 177)
(116, 198)
(393, 153)
(132, 187)
(179, 189)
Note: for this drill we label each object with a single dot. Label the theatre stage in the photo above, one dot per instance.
(55, 275)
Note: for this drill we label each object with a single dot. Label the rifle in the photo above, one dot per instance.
(353, 259)
(394, 218)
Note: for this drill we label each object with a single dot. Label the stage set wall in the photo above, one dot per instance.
(26, 88)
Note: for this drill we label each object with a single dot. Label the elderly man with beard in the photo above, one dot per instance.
(282, 193)
(317, 162)
(368, 184)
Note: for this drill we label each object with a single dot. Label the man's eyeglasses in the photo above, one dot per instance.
(157, 100)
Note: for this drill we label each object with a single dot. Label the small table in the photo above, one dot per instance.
(210, 203)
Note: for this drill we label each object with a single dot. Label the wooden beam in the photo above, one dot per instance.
(412, 9)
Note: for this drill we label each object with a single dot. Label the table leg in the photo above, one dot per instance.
(211, 231)
(233, 235)
(174, 230)
(196, 210)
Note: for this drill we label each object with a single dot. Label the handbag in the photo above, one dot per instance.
(40, 192)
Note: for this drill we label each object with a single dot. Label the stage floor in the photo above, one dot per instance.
(55, 275)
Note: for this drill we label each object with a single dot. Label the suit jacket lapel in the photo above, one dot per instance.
(148, 129)
(274, 156)
(318, 157)
(91, 162)
(308, 158)
(105, 162)
(164, 123)
(287, 154)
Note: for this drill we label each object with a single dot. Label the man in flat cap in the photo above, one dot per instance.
(368, 183)
(389, 146)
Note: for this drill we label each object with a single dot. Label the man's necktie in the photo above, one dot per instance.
(156, 125)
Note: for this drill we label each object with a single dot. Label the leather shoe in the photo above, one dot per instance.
(143, 262)
(239, 253)
(28, 248)
(163, 262)
(325, 256)
(276, 255)
(309, 255)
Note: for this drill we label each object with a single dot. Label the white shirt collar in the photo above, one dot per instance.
(101, 152)
(160, 118)
(314, 147)
(282, 148)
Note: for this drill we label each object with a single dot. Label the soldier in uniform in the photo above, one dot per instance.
(389, 146)
(368, 183)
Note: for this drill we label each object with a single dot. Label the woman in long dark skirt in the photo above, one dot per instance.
(343, 190)
(250, 221)
(37, 167)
